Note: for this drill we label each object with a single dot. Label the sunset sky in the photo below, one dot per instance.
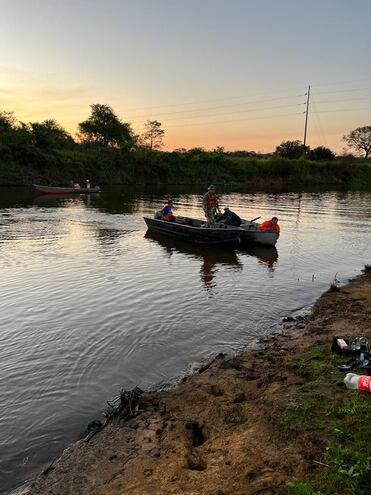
(229, 73)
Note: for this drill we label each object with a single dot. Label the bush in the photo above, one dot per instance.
(321, 153)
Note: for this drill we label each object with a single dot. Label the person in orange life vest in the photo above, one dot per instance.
(167, 212)
(270, 225)
(210, 205)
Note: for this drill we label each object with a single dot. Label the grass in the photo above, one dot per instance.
(323, 408)
(112, 166)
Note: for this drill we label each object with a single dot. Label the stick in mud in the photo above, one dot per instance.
(127, 407)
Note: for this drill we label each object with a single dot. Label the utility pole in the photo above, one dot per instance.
(306, 119)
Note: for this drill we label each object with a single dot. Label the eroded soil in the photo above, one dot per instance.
(216, 432)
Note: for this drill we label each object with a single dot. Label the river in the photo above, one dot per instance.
(90, 303)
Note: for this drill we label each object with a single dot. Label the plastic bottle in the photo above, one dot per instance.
(358, 382)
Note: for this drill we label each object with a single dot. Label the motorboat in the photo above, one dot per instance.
(194, 230)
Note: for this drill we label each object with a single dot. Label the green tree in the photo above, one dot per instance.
(7, 121)
(321, 153)
(153, 134)
(291, 149)
(49, 134)
(360, 140)
(104, 128)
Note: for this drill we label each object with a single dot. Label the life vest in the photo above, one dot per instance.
(211, 201)
(167, 214)
(267, 225)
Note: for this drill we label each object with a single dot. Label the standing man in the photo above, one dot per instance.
(210, 205)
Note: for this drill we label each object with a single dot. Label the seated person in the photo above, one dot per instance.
(76, 186)
(229, 218)
(167, 212)
(270, 225)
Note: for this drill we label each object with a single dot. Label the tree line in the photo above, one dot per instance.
(103, 128)
(108, 151)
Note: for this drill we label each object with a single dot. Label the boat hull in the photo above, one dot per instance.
(193, 233)
(66, 190)
(252, 235)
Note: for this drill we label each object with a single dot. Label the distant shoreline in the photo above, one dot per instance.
(111, 168)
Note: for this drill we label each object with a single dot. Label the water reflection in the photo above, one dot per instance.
(267, 255)
(63, 199)
(88, 304)
(211, 257)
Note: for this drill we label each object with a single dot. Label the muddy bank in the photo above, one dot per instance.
(240, 426)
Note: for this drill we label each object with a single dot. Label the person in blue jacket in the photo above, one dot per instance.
(167, 212)
(229, 218)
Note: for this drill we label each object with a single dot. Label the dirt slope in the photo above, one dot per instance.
(217, 432)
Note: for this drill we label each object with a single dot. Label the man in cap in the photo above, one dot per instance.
(210, 205)
(229, 217)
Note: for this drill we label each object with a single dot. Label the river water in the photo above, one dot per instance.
(90, 303)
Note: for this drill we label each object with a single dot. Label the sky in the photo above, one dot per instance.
(230, 73)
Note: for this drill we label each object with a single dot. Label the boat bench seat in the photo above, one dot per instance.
(184, 220)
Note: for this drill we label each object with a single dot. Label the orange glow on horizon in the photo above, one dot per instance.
(70, 105)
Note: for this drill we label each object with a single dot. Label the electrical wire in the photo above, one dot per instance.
(235, 120)
(346, 110)
(232, 113)
(347, 99)
(199, 102)
(318, 121)
(202, 102)
(341, 91)
(220, 106)
(337, 83)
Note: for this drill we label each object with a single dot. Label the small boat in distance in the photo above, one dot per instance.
(194, 230)
(66, 190)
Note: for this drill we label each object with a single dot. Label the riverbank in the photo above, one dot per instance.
(272, 420)
(114, 167)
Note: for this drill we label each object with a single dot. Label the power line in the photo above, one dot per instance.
(199, 102)
(342, 91)
(234, 112)
(235, 120)
(306, 120)
(337, 83)
(345, 110)
(318, 121)
(348, 99)
(221, 106)
(192, 116)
